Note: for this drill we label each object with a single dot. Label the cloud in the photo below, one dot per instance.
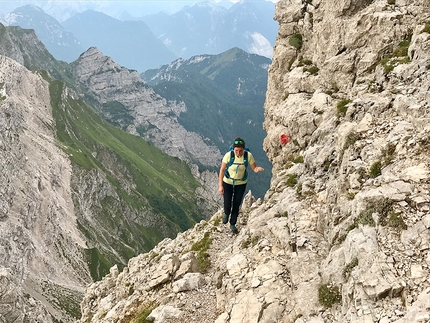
(260, 45)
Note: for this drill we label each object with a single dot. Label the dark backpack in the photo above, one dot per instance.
(231, 162)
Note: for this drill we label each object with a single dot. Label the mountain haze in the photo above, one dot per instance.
(122, 10)
(61, 44)
(130, 43)
(140, 39)
(207, 28)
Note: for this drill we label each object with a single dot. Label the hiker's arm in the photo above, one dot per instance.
(256, 168)
(220, 178)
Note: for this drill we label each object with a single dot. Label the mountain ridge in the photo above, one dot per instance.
(61, 44)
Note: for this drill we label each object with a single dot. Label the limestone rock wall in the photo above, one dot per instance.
(38, 235)
(351, 97)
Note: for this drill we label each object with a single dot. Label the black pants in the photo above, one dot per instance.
(233, 195)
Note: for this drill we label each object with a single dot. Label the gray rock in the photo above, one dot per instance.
(191, 281)
(163, 313)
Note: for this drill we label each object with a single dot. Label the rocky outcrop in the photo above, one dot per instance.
(148, 115)
(343, 234)
(39, 239)
(110, 82)
(35, 56)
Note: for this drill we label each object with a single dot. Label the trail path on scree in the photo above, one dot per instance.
(200, 306)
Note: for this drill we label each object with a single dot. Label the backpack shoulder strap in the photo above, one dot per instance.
(231, 161)
(245, 158)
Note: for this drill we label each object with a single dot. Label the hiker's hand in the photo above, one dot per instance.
(221, 190)
(258, 169)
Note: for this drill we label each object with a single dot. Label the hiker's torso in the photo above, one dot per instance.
(237, 169)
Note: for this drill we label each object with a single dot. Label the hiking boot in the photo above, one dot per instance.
(233, 229)
(225, 218)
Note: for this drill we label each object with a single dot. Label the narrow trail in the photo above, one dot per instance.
(200, 306)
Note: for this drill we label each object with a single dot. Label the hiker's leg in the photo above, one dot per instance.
(239, 191)
(228, 196)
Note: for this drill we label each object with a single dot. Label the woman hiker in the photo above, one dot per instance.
(233, 179)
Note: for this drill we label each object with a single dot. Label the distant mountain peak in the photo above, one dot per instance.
(60, 43)
(92, 51)
(29, 6)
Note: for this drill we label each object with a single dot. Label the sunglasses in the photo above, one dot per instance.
(238, 142)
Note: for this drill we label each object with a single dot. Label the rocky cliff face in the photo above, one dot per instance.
(40, 243)
(109, 82)
(125, 100)
(343, 234)
(23, 46)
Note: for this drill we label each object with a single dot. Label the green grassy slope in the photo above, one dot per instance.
(146, 183)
